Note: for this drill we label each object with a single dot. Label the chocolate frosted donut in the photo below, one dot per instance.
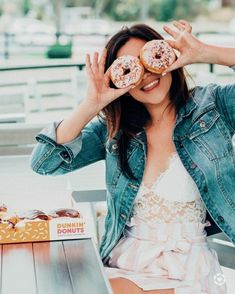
(33, 214)
(3, 212)
(10, 219)
(126, 70)
(157, 55)
(64, 212)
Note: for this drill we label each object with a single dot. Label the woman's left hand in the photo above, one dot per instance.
(190, 48)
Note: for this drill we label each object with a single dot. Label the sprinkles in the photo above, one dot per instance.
(157, 55)
(126, 70)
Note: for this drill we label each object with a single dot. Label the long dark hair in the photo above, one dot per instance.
(127, 114)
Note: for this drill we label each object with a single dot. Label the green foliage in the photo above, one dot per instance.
(26, 6)
(60, 51)
(72, 3)
(123, 10)
(160, 10)
(166, 10)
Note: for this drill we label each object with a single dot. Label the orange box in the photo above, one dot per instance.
(14, 229)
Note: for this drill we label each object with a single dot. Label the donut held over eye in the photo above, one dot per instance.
(157, 55)
(126, 70)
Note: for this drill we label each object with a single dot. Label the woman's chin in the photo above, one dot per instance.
(153, 98)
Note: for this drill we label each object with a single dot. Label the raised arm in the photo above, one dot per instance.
(192, 50)
(99, 94)
(78, 140)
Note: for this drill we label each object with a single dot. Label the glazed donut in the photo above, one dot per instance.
(3, 208)
(64, 212)
(157, 55)
(126, 70)
(10, 219)
(33, 214)
(3, 215)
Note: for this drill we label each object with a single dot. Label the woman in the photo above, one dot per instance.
(169, 164)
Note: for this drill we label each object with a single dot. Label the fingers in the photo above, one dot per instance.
(120, 92)
(171, 32)
(181, 25)
(187, 25)
(175, 46)
(175, 65)
(107, 76)
(102, 61)
(172, 43)
(94, 65)
(88, 67)
(96, 68)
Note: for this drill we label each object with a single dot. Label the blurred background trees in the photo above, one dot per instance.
(165, 10)
(122, 10)
(160, 10)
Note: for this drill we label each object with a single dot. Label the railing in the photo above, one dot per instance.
(33, 82)
(9, 39)
(80, 66)
(216, 33)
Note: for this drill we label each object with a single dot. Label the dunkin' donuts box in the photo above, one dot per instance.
(36, 225)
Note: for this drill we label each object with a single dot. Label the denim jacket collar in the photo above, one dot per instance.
(187, 108)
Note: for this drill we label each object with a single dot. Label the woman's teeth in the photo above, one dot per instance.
(151, 85)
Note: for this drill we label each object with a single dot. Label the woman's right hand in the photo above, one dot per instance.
(99, 94)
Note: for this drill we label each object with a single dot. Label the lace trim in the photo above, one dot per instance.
(152, 208)
(152, 184)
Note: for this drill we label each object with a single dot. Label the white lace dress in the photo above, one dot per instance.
(164, 244)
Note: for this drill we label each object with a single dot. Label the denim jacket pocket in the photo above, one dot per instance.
(209, 134)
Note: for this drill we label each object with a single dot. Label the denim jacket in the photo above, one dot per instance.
(203, 139)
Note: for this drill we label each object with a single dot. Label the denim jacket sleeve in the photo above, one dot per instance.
(225, 102)
(50, 158)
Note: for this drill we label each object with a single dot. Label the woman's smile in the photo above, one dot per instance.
(150, 85)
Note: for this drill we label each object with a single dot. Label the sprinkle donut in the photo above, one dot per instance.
(157, 55)
(126, 70)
